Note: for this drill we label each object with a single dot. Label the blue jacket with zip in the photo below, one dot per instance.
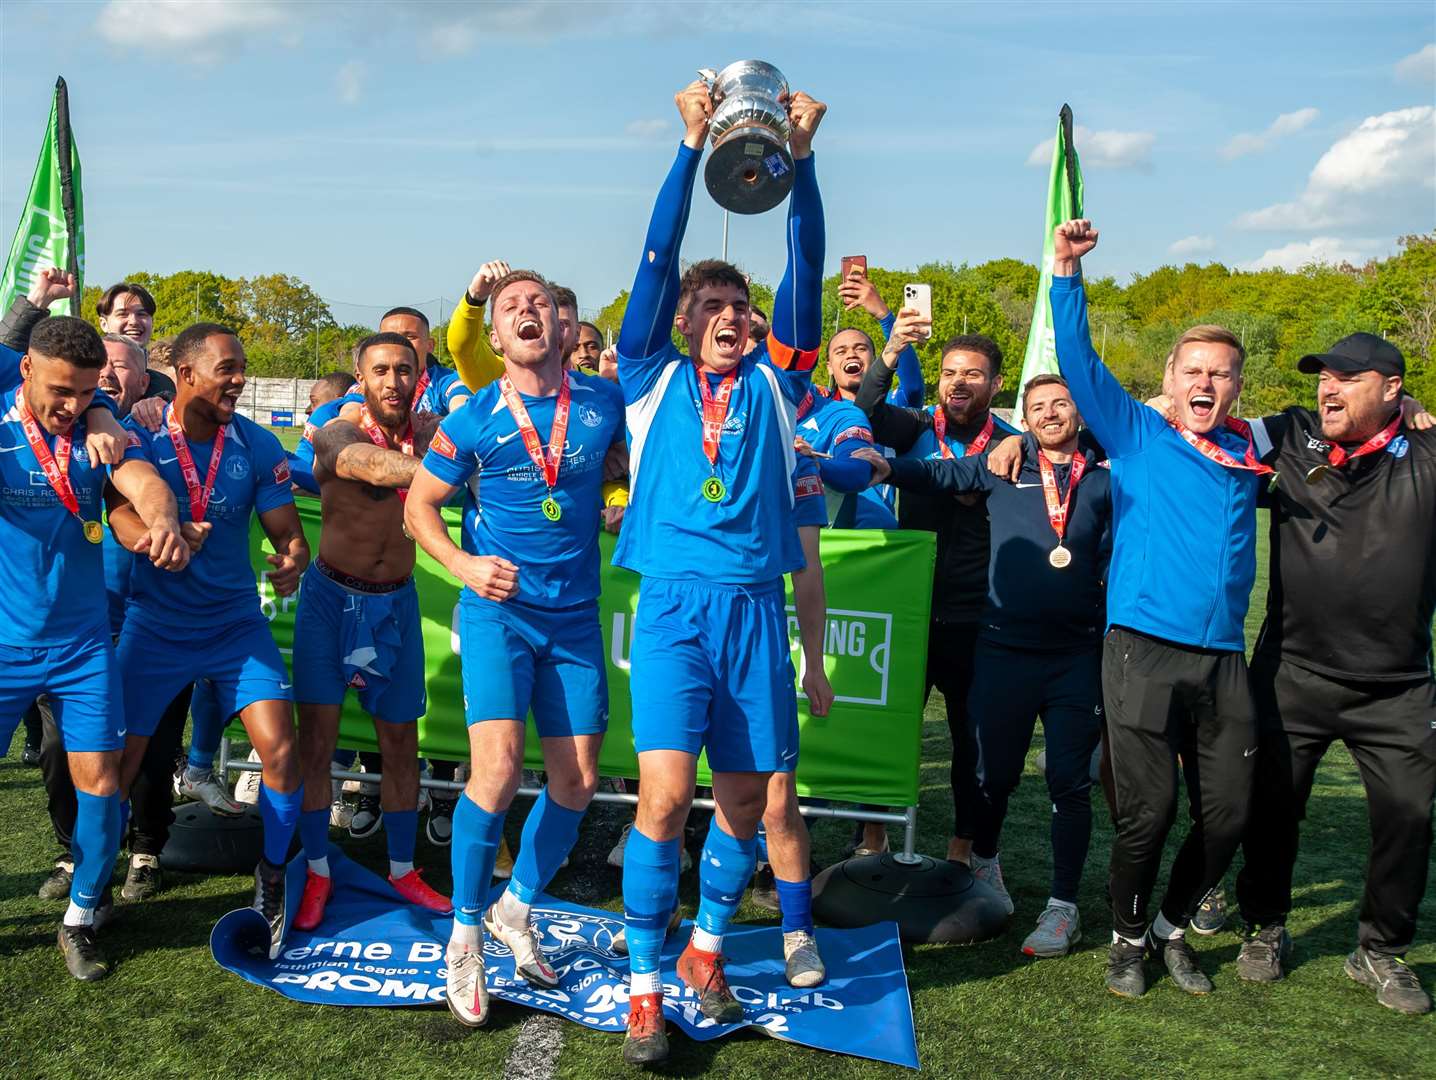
(1183, 527)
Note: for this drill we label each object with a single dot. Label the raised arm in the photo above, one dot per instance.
(1120, 421)
(894, 426)
(342, 450)
(910, 388)
(798, 304)
(474, 357)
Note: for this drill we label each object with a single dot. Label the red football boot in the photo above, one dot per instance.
(317, 890)
(647, 1039)
(414, 889)
(703, 971)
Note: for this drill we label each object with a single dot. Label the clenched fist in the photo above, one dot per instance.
(1070, 241)
(805, 114)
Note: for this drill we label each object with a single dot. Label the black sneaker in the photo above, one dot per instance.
(1181, 961)
(765, 890)
(143, 879)
(83, 956)
(1211, 913)
(105, 909)
(368, 815)
(1396, 985)
(269, 901)
(30, 755)
(440, 828)
(57, 885)
(1264, 954)
(1126, 977)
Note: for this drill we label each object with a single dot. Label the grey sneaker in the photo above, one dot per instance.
(522, 941)
(1181, 961)
(1396, 985)
(804, 963)
(143, 879)
(1264, 954)
(1211, 914)
(57, 885)
(1058, 929)
(84, 958)
(1126, 976)
(989, 872)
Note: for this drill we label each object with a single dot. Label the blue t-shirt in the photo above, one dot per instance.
(480, 447)
(444, 386)
(839, 428)
(217, 588)
(51, 578)
(810, 505)
(671, 530)
(119, 575)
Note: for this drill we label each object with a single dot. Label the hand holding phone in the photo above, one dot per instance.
(918, 297)
(854, 262)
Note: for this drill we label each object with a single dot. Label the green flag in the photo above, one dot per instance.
(1064, 202)
(52, 226)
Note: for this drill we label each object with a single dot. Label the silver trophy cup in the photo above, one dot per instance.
(750, 169)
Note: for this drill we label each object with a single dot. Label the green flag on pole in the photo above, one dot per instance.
(52, 226)
(1064, 202)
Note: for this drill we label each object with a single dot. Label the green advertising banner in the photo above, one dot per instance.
(866, 750)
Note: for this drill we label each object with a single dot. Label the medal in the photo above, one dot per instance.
(548, 464)
(715, 414)
(379, 439)
(1212, 452)
(1057, 509)
(1338, 456)
(198, 496)
(54, 465)
(939, 428)
(1317, 472)
(93, 533)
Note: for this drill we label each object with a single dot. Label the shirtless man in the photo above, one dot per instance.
(358, 619)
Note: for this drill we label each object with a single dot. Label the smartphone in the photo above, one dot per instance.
(919, 298)
(854, 262)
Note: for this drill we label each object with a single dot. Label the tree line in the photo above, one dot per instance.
(1280, 315)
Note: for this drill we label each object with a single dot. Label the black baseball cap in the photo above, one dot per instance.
(1356, 352)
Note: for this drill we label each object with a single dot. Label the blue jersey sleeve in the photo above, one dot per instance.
(453, 453)
(453, 387)
(301, 474)
(271, 472)
(797, 332)
(810, 504)
(910, 389)
(1122, 423)
(843, 471)
(942, 476)
(137, 446)
(9, 369)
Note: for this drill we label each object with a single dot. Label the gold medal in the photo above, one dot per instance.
(1317, 472)
(551, 509)
(713, 489)
(93, 532)
(1060, 557)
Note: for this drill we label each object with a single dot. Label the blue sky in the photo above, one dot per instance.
(382, 151)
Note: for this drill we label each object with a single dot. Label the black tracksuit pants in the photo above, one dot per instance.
(1010, 688)
(151, 795)
(950, 648)
(1390, 730)
(1166, 701)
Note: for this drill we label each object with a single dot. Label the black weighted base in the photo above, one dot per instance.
(931, 900)
(201, 840)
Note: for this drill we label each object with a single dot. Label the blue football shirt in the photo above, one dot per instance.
(479, 447)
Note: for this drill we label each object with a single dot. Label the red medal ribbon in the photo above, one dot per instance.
(56, 465)
(1339, 456)
(198, 497)
(715, 411)
(377, 437)
(549, 463)
(1212, 452)
(419, 388)
(806, 405)
(939, 428)
(1057, 508)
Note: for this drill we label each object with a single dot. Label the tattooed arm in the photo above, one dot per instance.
(343, 451)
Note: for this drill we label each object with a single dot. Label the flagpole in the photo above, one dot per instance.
(67, 186)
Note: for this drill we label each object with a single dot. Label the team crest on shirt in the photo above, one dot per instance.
(1398, 446)
(80, 454)
(281, 472)
(588, 416)
(133, 441)
(443, 445)
(236, 468)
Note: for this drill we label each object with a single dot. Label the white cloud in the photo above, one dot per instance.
(349, 81)
(186, 25)
(647, 129)
(1392, 155)
(1285, 124)
(1321, 249)
(1419, 67)
(1192, 245)
(1102, 149)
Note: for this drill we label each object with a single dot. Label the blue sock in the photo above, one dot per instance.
(206, 726)
(93, 846)
(796, 900)
(761, 851)
(650, 887)
(473, 849)
(723, 874)
(279, 813)
(314, 833)
(401, 831)
(549, 835)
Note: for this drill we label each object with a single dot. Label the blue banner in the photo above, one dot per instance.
(375, 949)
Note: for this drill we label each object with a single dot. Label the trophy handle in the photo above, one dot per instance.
(709, 76)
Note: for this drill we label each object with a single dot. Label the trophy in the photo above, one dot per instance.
(750, 169)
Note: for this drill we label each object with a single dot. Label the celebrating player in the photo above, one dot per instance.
(530, 449)
(358, 619)
(223, 467)
(710, 529)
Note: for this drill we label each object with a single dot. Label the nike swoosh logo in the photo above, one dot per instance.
(501, 439)
(1020, 486)
(1249, 753)
(285, 685)
(166, 460)
(9, 449)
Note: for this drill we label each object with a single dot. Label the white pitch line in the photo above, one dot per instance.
(534, 1055)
